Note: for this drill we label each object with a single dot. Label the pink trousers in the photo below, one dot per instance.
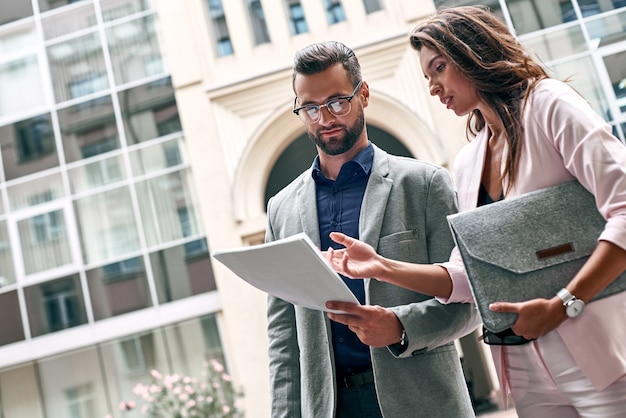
(545, 382)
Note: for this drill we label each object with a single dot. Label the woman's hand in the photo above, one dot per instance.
(357, 260)
(536, 317)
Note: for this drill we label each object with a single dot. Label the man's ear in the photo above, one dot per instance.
(365, 94)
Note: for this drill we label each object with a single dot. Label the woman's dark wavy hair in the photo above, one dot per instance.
(481, 47)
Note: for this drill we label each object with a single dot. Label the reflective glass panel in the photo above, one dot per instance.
(149, 111)
(88, 129)
(118, 288)
(44, 241)
(96, 174)
(157, 157)
(529, 15)
(583, 77)
(114, 9)
(128, 361)
(35, 192)
(494, 5)
(77, 67)
(15, 10)
(134, 49)
(21, 86)
(72, 385)
(19, 388)
(11, 328)
(28, 146)
(7, 274)
(55, 305)
(168, 208)
(75, 19)
(616, 68)
(607, 30)
(53, 4)
(184, 339)
(556, 44)
(107, 225)
(182, 271)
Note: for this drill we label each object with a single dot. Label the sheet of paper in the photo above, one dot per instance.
(292, 269)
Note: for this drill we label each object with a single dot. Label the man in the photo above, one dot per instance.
(394, 356)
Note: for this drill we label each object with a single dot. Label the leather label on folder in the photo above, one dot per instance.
(554, 251)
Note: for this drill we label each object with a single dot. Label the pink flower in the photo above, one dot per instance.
(217, 366)
(156, 374)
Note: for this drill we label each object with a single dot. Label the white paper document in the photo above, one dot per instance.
(292, 269)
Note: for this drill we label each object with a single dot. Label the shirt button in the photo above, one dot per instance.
(340, 340)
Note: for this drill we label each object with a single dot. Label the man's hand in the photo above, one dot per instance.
(374, 325)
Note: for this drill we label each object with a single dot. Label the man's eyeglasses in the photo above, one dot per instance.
(338, 106)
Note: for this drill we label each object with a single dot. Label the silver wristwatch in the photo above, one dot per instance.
(573, 306)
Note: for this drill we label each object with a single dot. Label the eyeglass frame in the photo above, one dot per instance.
(320, 106)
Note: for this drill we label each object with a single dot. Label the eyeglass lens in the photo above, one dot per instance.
(338, 107)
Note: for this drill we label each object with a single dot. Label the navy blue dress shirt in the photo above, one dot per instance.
(338, 210)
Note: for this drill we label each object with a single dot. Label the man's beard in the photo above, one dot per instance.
(337, 147)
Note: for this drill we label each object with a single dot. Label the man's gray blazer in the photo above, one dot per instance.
(403, 216)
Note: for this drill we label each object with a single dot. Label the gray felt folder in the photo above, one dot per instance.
(529, 246)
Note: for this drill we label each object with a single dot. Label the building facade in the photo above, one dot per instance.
(138, 135)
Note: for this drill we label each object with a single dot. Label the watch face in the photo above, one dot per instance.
(574, 308)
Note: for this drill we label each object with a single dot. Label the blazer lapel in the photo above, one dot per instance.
(375, 199)
(307, 209)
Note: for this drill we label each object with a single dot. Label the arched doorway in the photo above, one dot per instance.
(299, 155)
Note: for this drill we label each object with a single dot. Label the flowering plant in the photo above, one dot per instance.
(175, 396)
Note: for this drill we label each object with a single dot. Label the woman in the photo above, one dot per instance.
(528, 132)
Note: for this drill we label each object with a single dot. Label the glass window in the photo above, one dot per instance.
(45, 5)
(81, 391)
(616, 70)
(257, 19)
(55, 305)
(607, 30)
(115, 232)
(295, 13)
(44, 242)
(193, 342)
(168, 209)
(334, 11)
(157, 157)
(556, 44)
(128, 362)
(529, 16)
(134, 49)
(118, 288)
(88, 129)
(115, 9)
(73, 20)
(35, 192)
(96, 174)
(494, 5)
(583, 77)
(21, 85)
(15, 10)
(223, 44)
(372, 6)
(77, 67)
(28, 146)
(11, 328)
(182, 271)
(19, 391)
(149, 111)
(7, 274)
